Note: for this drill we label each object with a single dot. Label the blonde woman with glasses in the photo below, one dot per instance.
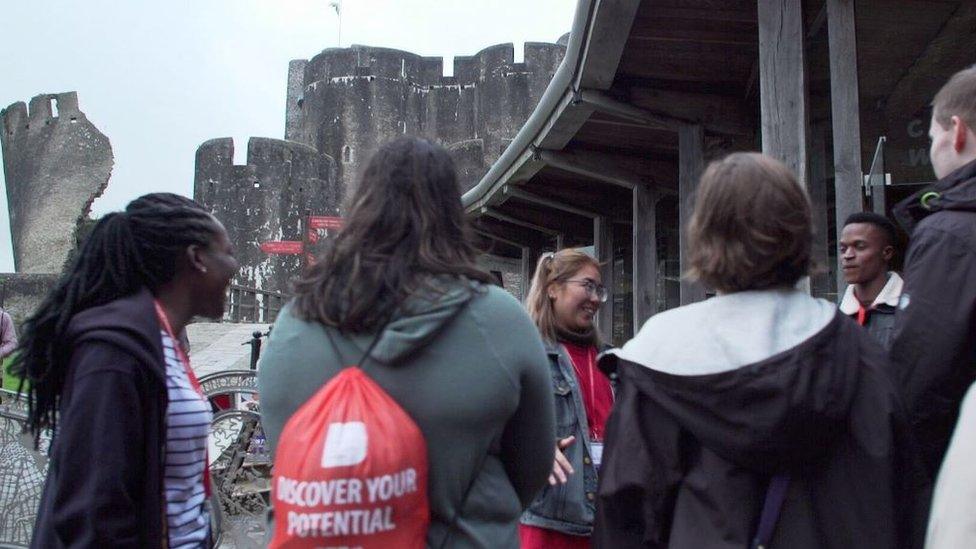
(566, 293)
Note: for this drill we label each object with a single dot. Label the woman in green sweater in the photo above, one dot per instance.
(459, 355)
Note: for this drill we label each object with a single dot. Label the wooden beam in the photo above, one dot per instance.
(602, 102)
(516, 235)
(527, 270)
(644, 234)
(845, 114)
(585, 165)
(718, 113)
(489, 236)
(783, 84)
(495, 214)
(659, 31)
(515, 192)
(820, 283)
(603, 250)
(691, 163)
(703, 14)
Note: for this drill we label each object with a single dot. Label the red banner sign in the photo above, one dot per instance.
(283, 247)
(324, 222)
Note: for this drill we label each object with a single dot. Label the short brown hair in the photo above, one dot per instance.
(957, 98)
(751, 228)
(553, 268)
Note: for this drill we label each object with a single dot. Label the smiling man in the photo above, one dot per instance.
(867, 246)
(933, 347)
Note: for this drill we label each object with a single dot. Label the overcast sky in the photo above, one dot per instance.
(160, 78)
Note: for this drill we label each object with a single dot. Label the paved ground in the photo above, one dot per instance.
(218, 346)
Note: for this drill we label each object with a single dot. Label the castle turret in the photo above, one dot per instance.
(265, 200)
(50, 150)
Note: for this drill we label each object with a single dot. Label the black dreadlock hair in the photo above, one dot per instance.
(125, 252)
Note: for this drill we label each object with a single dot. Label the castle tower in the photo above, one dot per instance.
(351, 100)
(50, 150)
(265, 200)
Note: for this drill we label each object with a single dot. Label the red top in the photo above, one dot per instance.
(594, 388)
(597, 400)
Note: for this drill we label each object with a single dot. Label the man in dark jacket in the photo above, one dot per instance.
(867, 247)
(934, 340)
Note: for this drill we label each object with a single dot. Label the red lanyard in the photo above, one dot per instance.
(180, 353)
(185, 360)
(591, 365)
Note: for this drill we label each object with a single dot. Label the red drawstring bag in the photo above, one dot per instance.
(350, 471)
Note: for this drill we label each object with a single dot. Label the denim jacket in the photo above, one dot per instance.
(570, 507)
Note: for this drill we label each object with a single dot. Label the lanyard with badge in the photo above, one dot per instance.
(596, 438)
(185, 361)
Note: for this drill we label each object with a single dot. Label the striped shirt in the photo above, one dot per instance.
(187, 426)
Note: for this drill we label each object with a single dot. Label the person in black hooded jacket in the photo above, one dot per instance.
(760, 393)
(934, 340)
(103, 367)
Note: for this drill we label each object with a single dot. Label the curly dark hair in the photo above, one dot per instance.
(405, 224)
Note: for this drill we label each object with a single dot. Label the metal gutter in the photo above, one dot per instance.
(558, 93)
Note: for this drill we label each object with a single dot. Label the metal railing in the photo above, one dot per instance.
(252, 304)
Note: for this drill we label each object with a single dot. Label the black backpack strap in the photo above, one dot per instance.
(369, 348)
(773, 504)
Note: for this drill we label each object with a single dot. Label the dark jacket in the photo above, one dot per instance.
(689, 457)
(570, 507)
(105, 482)
(934, 342)
(470, 370)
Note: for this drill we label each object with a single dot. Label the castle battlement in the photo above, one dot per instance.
(341, 64)
(44, 110)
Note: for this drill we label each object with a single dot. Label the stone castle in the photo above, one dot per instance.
(341, 105)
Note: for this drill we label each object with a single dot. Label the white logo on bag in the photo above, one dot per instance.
(345, 444)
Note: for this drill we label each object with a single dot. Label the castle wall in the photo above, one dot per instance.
(354, 99)
(55, 166)
(265, 200)
(341, 106)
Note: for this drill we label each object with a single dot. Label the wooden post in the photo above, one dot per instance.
(645, 254)
(603, 250)
(783, 84)
(844, 113)
(783, 87)
(820, 285)
(691, 162)
(528, 269)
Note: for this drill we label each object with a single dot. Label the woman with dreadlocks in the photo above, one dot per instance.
(109, 378)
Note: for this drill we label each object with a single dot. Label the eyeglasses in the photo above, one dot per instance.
(592, 288)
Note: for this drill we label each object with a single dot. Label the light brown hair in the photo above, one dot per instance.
(751, 228)
(553, 268)
(957, 98)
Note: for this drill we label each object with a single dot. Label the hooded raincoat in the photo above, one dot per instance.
(933, 348)
(469, 368)
(104, 485)
(718, 397)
